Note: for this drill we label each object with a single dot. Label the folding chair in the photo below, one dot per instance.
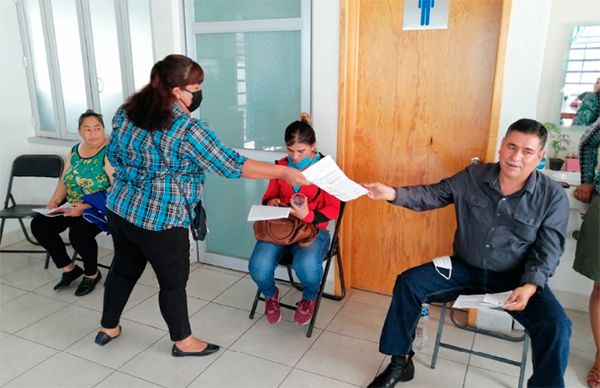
(438, 343)
(47, 166)
(334, 251)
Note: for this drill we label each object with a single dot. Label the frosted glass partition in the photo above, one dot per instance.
(252, 86)
(70, 60)
(39, 65)
(229, 10)
(141, 41)
(106, 54)
(227, 204)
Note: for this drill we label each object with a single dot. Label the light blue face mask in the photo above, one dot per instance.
(301, 164)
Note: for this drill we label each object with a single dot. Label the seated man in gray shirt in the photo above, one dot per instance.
(511, 227)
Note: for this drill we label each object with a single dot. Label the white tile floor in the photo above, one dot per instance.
(46, 339)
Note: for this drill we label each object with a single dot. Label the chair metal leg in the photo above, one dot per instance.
(439, 344)
(27, 236)
(47, 261)
(197, 251)
(2, 229)
(438, 337)
(318, 300)
(523, 360)
(291, 277)
(255, 304)
(342, 282)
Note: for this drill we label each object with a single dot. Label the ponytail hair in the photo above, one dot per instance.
(150, 108)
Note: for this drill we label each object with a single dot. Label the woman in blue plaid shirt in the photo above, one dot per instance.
(147, 210)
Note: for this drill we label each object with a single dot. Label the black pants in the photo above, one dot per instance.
(82, 235)
(168, 252)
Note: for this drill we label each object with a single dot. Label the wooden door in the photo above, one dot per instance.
(415, 106)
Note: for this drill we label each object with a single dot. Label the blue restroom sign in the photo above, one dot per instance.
(425, 14)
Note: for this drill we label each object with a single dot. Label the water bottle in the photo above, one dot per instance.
(421, 334)
(542, 165)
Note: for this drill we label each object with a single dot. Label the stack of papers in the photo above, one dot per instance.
(482, 301)
(57, 211)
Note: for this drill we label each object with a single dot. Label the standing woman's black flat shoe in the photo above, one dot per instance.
(210, 349)
(102, 338)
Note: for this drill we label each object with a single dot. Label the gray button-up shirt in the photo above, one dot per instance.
(497, 232)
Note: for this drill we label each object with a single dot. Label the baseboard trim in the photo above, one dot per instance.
(572, 300)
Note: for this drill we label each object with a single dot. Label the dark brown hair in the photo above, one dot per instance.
(150, 108)
(89, 113)
(299, 132)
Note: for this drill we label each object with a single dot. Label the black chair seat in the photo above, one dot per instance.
(20, 211)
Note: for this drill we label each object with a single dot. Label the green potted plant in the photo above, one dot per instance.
(558, 142)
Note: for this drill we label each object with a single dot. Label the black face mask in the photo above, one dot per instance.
(196, 100)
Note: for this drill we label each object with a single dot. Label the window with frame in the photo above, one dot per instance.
(582, 69)
(82, 54)
(256, 59)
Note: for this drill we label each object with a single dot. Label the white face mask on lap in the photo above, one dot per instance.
(443, 262)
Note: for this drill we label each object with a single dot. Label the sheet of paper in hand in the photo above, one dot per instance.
(259, 213)
(482, 301)
(329, 177)
(57, 211)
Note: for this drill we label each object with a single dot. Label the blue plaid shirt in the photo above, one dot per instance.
(143, 191)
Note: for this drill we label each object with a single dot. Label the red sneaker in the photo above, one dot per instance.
(304, 311)
(272, 308)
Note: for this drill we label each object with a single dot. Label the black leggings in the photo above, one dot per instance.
(168, 252)
(82, 235)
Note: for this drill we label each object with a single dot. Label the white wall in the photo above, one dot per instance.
(524, 61)
(325, 65)
(15, 108)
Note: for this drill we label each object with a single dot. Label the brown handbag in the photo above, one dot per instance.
(285, 231)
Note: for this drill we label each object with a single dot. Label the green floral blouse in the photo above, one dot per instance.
(85, 175)
(589, 110)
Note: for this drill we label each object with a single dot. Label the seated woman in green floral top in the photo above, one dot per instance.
(589, 109)
(86, 171)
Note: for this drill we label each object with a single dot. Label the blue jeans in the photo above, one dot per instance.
(307, 263)
(543, 318)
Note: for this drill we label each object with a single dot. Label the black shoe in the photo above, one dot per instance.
(210, 349)
(102, 338)
(68, 277)
(400, 369)
(87, 285)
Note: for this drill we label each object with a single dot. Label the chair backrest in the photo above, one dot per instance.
(31, 165)
(50, 166)
(338, 222)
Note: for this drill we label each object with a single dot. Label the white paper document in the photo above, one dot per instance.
(258, 212)
(482, 301)
(329, 177)
(57, 211)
